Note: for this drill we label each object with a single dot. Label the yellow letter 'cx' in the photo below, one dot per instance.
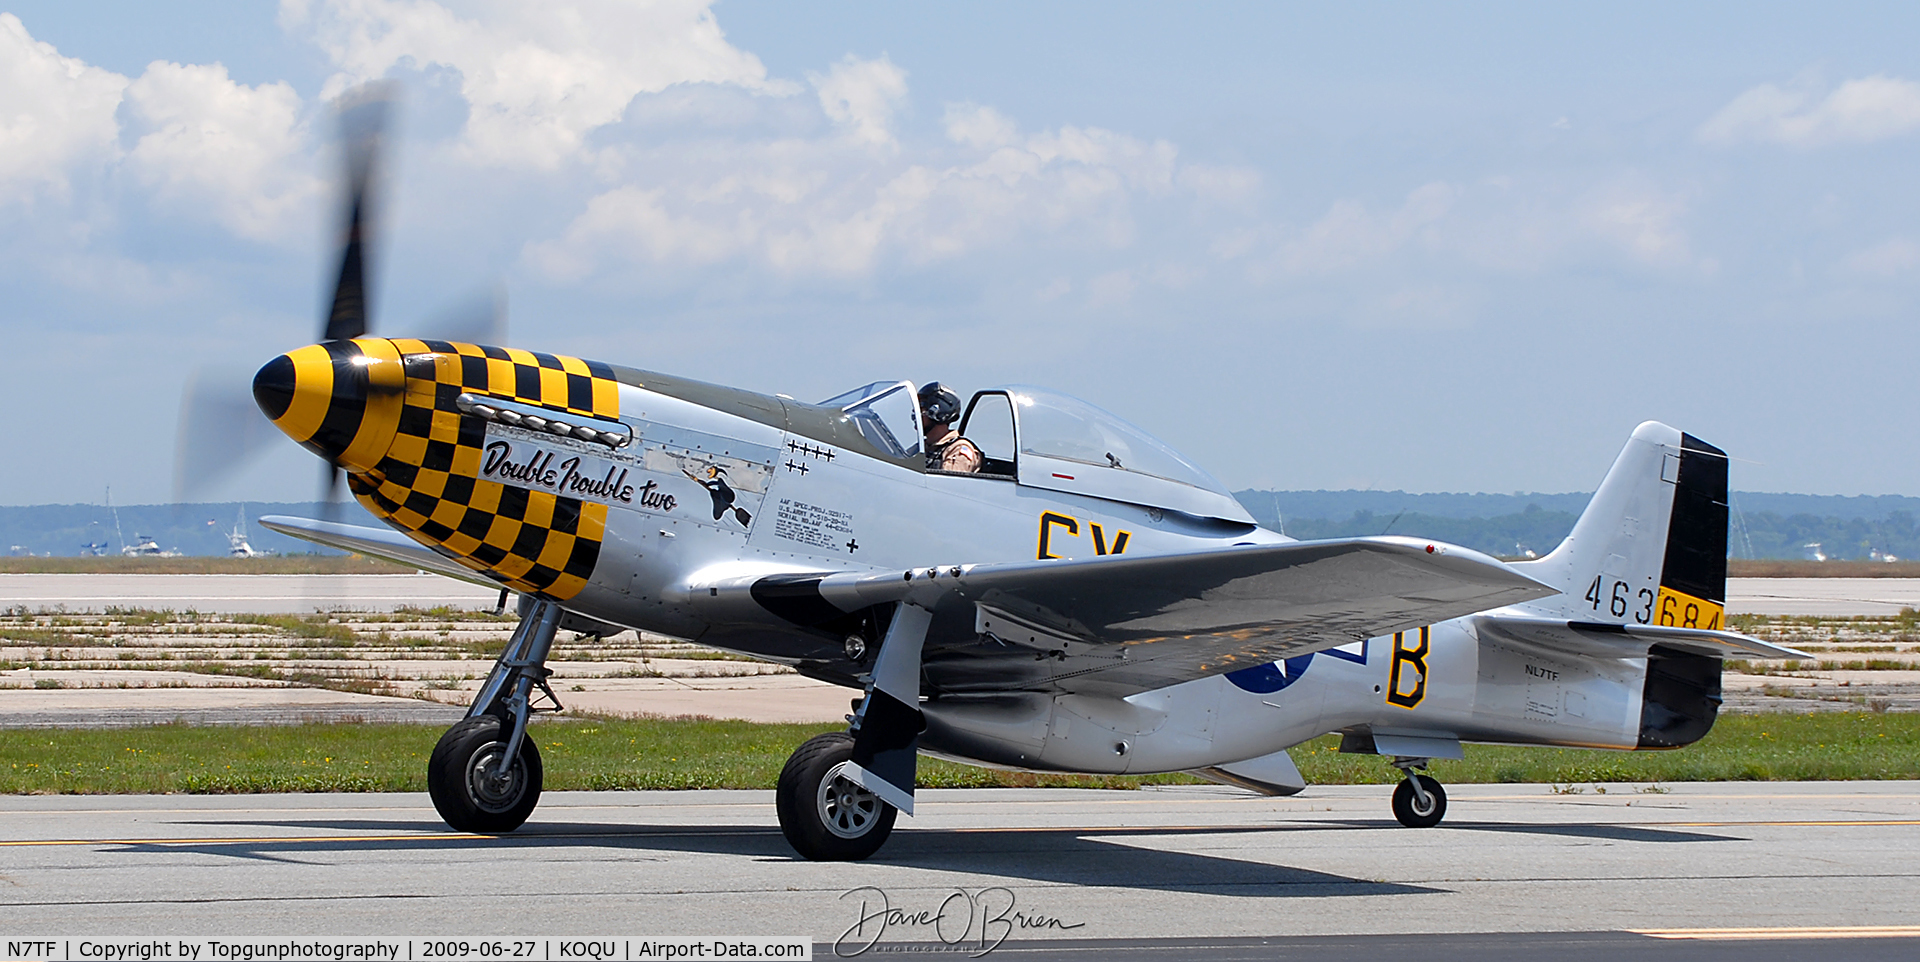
(1403, 657)
(1049, 520)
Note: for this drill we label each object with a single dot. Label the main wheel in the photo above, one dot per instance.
(826, 817)
(468, 789)
(1407, 807)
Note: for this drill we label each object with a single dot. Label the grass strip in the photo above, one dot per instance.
(697, 753)
(1783, 568)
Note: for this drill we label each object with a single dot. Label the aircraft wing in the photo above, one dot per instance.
(383, 543)
(1121, 624)
(1625, 641)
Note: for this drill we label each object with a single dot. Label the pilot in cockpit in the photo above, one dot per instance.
(946, 449)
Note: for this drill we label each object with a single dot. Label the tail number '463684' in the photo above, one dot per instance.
(1673, 609)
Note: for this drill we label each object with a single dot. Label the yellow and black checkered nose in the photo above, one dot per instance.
(388, 411)
(340, 400)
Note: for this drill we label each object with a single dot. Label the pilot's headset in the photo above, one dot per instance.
(938, 404)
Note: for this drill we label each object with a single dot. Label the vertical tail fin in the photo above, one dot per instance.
(1651, 547)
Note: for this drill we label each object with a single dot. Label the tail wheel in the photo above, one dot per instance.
(823, 814)
(470, 788)
(1414, 812)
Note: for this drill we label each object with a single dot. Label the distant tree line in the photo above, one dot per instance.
(1855, 529)
(64, 530)
(1533, 529)
(1763, 525)
(1768, 535)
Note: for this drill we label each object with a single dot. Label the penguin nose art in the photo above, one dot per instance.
(340, 400)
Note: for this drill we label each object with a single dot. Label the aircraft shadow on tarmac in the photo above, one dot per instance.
(1600, 830)
(1615, 833)
(1075, 856)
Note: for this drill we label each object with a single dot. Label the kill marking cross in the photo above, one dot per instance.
(809, 450)
(791, 467)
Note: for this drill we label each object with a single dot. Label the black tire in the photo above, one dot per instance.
(465, 796)
(1406, 807)
(829, 819)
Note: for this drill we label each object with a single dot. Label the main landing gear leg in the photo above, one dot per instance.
(485, 774)
(838, 795)
(1419, 801)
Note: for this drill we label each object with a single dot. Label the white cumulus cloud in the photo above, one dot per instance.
(1646, 224)
(1893, 257)
(206, 142)
(1349, 234)
(1858, 111)
(832, 205)
(55, 113)
(187, 136)
(981, 127)
(1496, 225)
(862, 96)
(1220, 183)
(537, 78)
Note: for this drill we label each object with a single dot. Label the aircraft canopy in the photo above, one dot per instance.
(1067, 444)
(1046, 439)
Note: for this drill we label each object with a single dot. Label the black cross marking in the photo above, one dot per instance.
(809, 450)
(796, 467)
(852, 546)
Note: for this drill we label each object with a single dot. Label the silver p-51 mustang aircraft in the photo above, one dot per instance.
(1088, 600)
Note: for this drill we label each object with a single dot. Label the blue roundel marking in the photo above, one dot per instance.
(1269, 678)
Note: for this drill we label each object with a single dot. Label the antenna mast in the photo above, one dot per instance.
(116, 520)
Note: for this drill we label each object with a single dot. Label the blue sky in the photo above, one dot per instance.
(1365, 246)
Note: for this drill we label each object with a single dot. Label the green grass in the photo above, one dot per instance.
(685, 754)
(1801, 667)
(1781, 568)
(614, 754)
(1820, 746)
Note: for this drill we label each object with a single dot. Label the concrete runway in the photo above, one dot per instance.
(1829, 597)
(188, 698)
(301, 594)
(1516, 871)
(240, 594)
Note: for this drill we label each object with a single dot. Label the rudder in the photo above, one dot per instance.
(1651, 546)
(1693, 577)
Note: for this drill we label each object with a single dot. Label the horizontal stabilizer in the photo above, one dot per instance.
(1625, 641)
(379, 543)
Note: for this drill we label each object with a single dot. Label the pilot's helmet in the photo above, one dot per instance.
(938, 403)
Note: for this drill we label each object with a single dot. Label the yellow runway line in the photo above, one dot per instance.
(422, 837)
(558, 837)
(1891, 821)
(235, 840)
(1148, 829)
(1810, 932)
(1287, 822)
